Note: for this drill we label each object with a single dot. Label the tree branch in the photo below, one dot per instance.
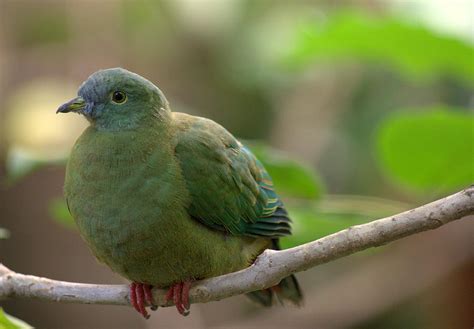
(269, 268)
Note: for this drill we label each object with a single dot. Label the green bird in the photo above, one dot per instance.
(165, 198)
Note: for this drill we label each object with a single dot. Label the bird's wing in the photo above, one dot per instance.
(230, 189)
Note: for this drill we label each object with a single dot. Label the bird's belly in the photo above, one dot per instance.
(143, 232)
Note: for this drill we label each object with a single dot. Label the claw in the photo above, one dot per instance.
(185, 295)
(179, 293)
(138, 294)
(141, 301)
(133, 297)
(149, 297)
(177, 297)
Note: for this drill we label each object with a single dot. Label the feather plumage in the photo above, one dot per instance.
(230, 189)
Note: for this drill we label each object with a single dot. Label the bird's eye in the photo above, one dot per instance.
(119, 97)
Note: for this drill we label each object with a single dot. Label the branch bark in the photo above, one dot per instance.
(269, 268)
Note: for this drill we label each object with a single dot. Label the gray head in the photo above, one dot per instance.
(117, 99)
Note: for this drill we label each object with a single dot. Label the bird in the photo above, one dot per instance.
(164, 198)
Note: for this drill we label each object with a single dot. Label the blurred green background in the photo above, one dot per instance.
(359, 110)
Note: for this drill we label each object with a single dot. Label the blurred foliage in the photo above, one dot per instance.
(410, 49)
(430, 151)
(314, 214)
(20, 163)
(52, 27)
(4, 233)
(60, 213)
(291, 178)
(35, 135)
(310, 224)
(360, 204)
(314, 220)
(144, 20)
(10, 322)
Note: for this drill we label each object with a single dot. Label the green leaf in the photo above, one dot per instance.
(4, 233)
(21, 163)
(60, 213)
(311, 224)
(362, 205)
(411, 49)
(290, 177)
(10, 322)
(428, 152)
(334, 213)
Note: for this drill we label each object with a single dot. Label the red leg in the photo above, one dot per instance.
(179, 293)
(177, 297)
(137, 298)
(169, 294)
(185, 295)
(133, 297)
(149, 297)
(141, 301)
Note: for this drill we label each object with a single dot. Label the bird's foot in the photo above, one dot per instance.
(179, 294)
(140, 296)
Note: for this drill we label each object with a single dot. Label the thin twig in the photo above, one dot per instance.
(269, 268)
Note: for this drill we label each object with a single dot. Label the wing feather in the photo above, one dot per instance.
(230, 189)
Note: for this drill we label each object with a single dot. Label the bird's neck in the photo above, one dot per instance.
(119, 152)
(154, 119)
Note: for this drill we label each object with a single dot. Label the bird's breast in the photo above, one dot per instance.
(125, 197)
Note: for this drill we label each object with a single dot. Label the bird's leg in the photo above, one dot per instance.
(149, 297)
(185, 295)
(136, 298)
(179, 293)
(139, 294)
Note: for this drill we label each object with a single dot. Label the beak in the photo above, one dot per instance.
(75, 105)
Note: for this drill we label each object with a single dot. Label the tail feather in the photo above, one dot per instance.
(262, 297)
(288, 290)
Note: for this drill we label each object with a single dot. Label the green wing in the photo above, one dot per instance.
(230, 189)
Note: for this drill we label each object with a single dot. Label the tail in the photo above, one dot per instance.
(288, 290)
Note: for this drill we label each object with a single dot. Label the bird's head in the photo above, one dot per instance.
(117, 99)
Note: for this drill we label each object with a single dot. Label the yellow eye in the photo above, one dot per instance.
(119, 97)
